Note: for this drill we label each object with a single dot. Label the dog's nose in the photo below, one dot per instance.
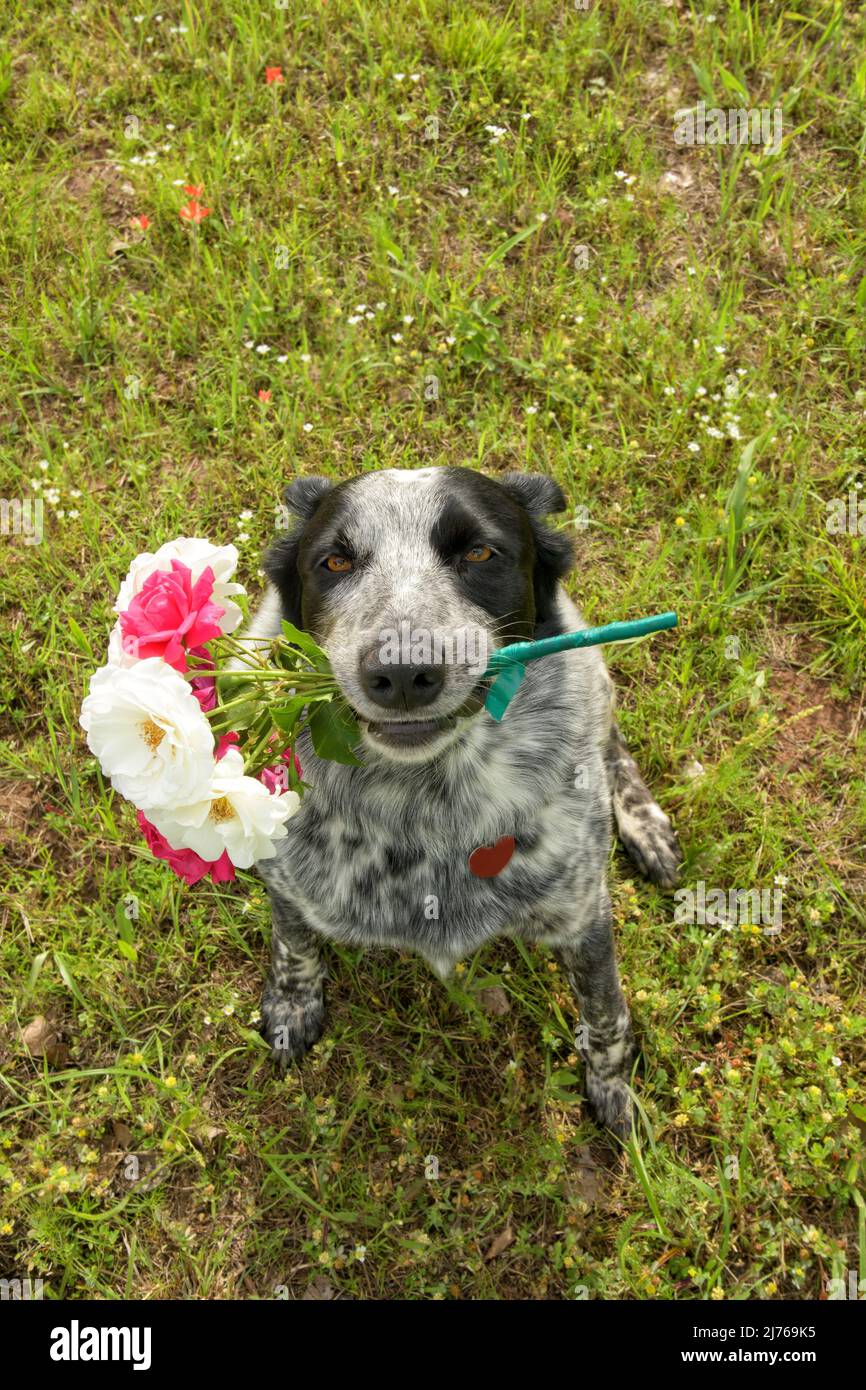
(400, 685)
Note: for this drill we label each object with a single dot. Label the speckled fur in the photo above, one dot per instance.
(377, 854)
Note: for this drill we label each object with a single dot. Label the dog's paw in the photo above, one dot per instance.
(291, 1024)
(650, 842)
(611, 1104)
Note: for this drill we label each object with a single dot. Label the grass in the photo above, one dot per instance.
(674, 332)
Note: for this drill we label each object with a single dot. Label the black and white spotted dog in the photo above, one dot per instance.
(379, 854)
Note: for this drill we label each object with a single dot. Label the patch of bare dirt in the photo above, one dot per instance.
(813, 720)
(17, 802)
(96, 172)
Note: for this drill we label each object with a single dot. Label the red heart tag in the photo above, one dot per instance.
(489, 860)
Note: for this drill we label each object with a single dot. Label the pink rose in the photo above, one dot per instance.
(226, 742)
(276, 777)
(185, 862)
(170, 615)
(203, 686)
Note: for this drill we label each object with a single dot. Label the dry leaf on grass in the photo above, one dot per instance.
(42, 1039)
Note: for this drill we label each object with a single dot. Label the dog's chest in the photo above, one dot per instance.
(384, 859)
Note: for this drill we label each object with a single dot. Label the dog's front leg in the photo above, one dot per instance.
(604, 1038)
(293, 1000)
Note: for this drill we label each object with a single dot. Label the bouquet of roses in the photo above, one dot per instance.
(196, 727)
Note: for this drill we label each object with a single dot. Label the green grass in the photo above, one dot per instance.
(157, 1155)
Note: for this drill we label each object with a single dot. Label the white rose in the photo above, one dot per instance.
(197, 554)
(238, 814)
(116, 655)
(148, 732)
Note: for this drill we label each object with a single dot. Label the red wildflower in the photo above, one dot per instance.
(194, 212)
(263, 394)
(274, 75)
(195, 190)
(143, 222)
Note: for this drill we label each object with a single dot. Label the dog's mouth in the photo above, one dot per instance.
(418, 733)
(409, 733)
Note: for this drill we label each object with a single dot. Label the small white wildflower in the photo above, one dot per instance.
(693, 447)
(308, 429)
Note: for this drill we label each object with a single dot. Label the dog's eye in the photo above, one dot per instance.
(338, 564)
(478, 554)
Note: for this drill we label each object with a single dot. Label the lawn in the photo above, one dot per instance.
(442, 234)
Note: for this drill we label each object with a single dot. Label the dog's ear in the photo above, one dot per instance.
(302, 497)
(554, 551)
(539, 496)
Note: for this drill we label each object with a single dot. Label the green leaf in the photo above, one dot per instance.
(733, 84)
(335, 733)
(79, 638)
(307, 645)
(66, 975)
(286, 716)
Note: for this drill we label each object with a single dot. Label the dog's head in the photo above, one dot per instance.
(409, 580)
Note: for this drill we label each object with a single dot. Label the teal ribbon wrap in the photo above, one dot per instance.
(508, 664)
